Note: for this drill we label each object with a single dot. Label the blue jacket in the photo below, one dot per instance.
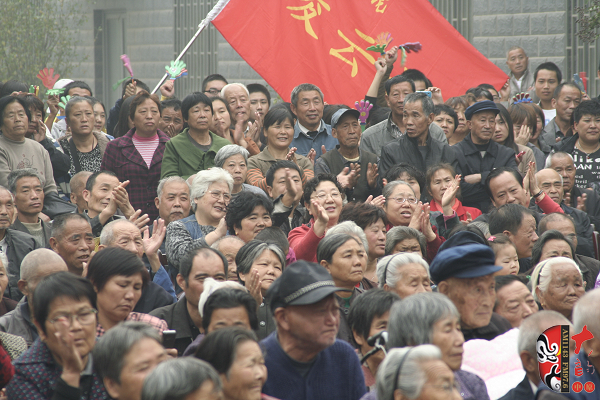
(335, 374)
(304, 143)
(589, 375)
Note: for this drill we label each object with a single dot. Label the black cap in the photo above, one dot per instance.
(485, 105)
(466, 261)
(340, 113)
(461, 238)
(301, 283)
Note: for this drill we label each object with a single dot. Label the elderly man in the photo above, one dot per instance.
(466, 275)
(586, 200)
(184, 316)
(26, 187)
(520, 78)
(72, 239)
(77, 184)
(14, 244)
(304, 358)
(35, 266)
(551, 183)
(238, 98)
(514, 300)
(347, 157)
(127, 235)
(229, 247)
(477, 155)
(530, 330)
(565, 99)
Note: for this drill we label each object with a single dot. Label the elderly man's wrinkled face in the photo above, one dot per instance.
(525, 236)
(550, 182)
(413, 278)
(7, 209)
(128, 237)
(565, 288)
(515, 303)
(473, 297)
(565, 166)
(75, 244)
(174, 202)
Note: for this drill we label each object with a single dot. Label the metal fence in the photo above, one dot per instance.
(458, 13)
(201, 58)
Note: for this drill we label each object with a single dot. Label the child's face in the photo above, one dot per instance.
(507, 258)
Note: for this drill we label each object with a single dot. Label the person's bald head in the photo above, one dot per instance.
(551, 183)
(77, 184)
(37, 265)
(124, 234)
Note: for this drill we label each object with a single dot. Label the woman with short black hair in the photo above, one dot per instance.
(248, 214)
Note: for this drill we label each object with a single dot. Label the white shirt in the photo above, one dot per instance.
(549, 115)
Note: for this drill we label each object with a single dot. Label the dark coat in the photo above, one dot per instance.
(469, 162)
(592, 203)
(590, 268)
(178, 318)
(153, 297)
(497, 326)
(18, 226)
(521, 392)
(19, 244)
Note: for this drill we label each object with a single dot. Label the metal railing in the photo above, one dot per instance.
(458, 13)
(580, 56)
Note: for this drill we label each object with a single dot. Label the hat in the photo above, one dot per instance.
(461, 238)
(342, 111)
(301, 283)
(467, 261)
(485, 105)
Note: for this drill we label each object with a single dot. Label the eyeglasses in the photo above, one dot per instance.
(213, 91)
(86, 317)
(322, 196)
(217, 195)
(402, 200)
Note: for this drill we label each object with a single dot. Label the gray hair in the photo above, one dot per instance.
(534, 325)
(17, 174)
(515, 48)
(350, 228)
(177, 378)
(107, 235)
(484, 227)
(542, 274)
(412, 319)
(171, 179)
(399, 233)
(303, 87)
(74, 100)
(555, 154)
(36, 260)
(586, 312)
(389, 188)
(411, 377)
(207, 177)
(390, 267)
(230, 150)
(252, 250)
(110, 351)
(218, 242)
(234, 84)
(426, 102)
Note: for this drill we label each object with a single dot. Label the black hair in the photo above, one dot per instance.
(34, 102)
(330, 109)
(274, 235)
(509, 217)
(242, 206)
(587, 107)
(191, 100)
(7, 100)
(212, 77)
(219, 348)
(377, 115)
(510, 139)
(370, 305)
(283, 104)
(538, 246)
(11, 86)
(96, 101)
(230, 298)
(550, 66)
(504, 280)
(60, 284)
(91, 181)
(480, 93)
(187, 261)
(114, 261)
(140, 98)
(122, 126)
(363, 214)
(396, 80)
(175, 104)
(60, 222)
(138, 84)
(442, 108)
(416, 75)
(277, 115)
(393, 174)
(312, 184)
(467, 228)
(499, 171)
(257, 87)
(270, 176)
(77, 84)
(560, 87)
(487, 86)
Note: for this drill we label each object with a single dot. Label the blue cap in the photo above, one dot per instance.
(485, 105)
(341, 112)
(466, 261)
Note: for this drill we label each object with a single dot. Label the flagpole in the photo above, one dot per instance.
(209, 17)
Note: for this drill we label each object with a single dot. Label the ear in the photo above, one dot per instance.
(530, 364)
(509, 234)
(270, 191)
(443, 287)
(53, 244)
(292, 107)
(540, 296)
(358, 338)
(334, 133)
(387, 100)
(553, 102)
(181, 281)
(280, 317)
(325, 264)
(431, 118)
(385, 182)
(101, 247)
(112, 388)
(469, 124)
(72, 198)
(241, 276)
(387, 287)
(86, 195)
(23, 287)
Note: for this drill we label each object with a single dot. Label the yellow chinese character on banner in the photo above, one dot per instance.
(309, 13)
(350, 49)
(379, 7)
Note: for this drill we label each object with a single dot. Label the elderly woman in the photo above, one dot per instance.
(551, 244)
(402, 239)
(137, 156)
(234, 159)
(557, 283)
(431, 318)
(343, 256)
(239, 361)
(183, 379)
(211, 194)
(443, 185)
(404, 274)
(58, 364)
(323, 200)
(258, 265)
(248, 214)
(125, 356)
(195, 148)
(350, 228)
(415, 373)
(373, 221)
(279, 130)
(118, 276)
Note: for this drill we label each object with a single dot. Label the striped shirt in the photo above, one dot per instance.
(146, 147)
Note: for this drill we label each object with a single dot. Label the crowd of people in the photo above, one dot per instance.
(223, 246)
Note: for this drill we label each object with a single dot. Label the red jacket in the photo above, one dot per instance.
(304, 241)
(458, 208)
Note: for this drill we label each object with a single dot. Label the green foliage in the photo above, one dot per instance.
(37, 34)
(589, 21)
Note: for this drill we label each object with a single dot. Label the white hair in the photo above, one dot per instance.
(210, 286)
(207, 177)
(554, 154)
(542, 274)
(234, 84)
(351, 229)
(390, 267)
(230, 150)
(586, 312)
(165, 181)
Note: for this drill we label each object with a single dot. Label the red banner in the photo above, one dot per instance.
(323, 42)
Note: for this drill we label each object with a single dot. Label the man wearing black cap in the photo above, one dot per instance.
(465, 274)
(478, 154)
(347, 157)
(304, 359)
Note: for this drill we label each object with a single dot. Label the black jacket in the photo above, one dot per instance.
(521, 392)
(567, 144)
(153, 297)
(497, 326)
(19, 244)
(469, 161)
(589, 269)
(178, 318)
(592, 203)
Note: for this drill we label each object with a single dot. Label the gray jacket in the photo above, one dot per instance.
(526, 84)
(18, 322)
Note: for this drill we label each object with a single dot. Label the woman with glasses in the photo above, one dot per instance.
(211, 194)
(248, 214)
(58, 364)
(323, 199)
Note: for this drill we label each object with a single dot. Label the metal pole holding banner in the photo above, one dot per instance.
(209, 17)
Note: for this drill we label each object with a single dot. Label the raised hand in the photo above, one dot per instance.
(449, 196)
(581, 202)
(292, 194)
(238, 134)
(426, 228)
(139, 220)
(153, 243)
(346, 178)
(47, 77)
(253, 284)
(378, 201)
(311, 156)
(391, 55)
(436, 95)
(522, 137)
(129, 90)
(168, 88)
(66, 351)
(505, 91)
(415, 221)
(372, 174)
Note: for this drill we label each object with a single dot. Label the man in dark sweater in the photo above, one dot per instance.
(304, 358)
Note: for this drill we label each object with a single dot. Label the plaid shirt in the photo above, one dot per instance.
(157, 323)
(122, 158)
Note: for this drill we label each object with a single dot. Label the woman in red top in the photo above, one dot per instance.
(439, 178)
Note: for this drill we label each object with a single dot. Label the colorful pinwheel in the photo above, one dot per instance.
(381, 43)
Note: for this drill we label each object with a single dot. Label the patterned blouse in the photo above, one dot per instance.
(157, 323)
(89, 161)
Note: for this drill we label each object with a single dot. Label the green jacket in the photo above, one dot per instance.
(183, 158)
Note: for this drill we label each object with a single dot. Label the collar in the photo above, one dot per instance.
(471, 149)
(305, 130)
(88, 370)
(127, 139)
(534, 387)
(394, 130)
